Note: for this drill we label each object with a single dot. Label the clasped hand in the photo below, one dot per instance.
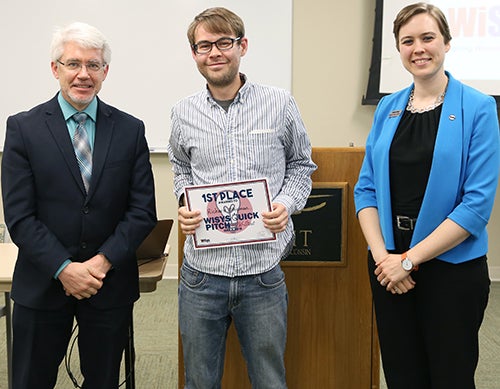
(84, 279)
(391, 274)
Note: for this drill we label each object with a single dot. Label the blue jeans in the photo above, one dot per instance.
(258, 306)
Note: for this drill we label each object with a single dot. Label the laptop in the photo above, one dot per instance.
(154, 245)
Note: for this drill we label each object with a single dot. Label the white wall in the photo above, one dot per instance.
(151, 62)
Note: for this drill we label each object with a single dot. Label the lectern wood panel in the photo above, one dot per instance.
(332, 340)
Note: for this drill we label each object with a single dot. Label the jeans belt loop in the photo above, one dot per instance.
(405, 223)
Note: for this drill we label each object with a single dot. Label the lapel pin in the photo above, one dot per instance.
(394, 114)
(451, 117)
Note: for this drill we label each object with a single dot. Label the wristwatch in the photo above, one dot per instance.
(406, 263)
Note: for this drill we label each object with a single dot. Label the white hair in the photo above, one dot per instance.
(84, 35)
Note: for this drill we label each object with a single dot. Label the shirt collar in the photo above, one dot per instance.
(68, 110)
(240, 96)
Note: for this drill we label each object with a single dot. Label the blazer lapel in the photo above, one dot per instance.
(391, 114)
(59, 130)
(446, 169)
(103, 134)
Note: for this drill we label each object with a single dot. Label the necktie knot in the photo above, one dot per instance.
(80, 117)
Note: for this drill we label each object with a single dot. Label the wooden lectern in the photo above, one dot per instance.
(332, 342)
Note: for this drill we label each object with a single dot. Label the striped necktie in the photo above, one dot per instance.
(82, 148)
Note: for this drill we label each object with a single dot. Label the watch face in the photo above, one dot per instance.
(407, 264)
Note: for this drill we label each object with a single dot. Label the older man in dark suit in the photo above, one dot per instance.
(78, 198)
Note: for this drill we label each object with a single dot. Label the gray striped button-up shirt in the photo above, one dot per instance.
(260, 135)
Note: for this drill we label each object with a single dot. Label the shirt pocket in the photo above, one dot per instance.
(264, 149)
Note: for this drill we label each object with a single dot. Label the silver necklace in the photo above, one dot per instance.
(412, 109)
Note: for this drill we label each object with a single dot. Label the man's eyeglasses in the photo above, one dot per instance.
(75, 66)
(223, 44)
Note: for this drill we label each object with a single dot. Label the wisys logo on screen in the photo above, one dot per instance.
(475, 21)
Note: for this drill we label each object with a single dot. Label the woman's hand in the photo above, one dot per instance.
(392, 276)
(403, 286)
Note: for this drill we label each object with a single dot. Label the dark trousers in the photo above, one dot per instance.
(429, 336)
(40, 340)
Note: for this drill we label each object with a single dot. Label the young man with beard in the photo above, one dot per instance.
(236, 130)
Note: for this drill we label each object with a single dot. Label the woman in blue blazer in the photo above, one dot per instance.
(424, 196)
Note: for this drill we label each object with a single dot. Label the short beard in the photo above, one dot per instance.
(79, 101)
(223, 81)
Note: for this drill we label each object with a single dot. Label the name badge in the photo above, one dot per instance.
(395, 114)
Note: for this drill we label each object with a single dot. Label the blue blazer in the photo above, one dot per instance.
(51, 218)
(464, 172)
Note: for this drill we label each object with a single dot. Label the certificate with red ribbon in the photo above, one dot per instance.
(231, 212)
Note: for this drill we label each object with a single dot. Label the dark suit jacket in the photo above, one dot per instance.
(50, 217)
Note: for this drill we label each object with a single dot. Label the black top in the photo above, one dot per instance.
(410, 160)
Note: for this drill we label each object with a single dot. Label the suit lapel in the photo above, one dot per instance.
(103, 134)
(447, 167)
(59, 130)
(392, 115)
